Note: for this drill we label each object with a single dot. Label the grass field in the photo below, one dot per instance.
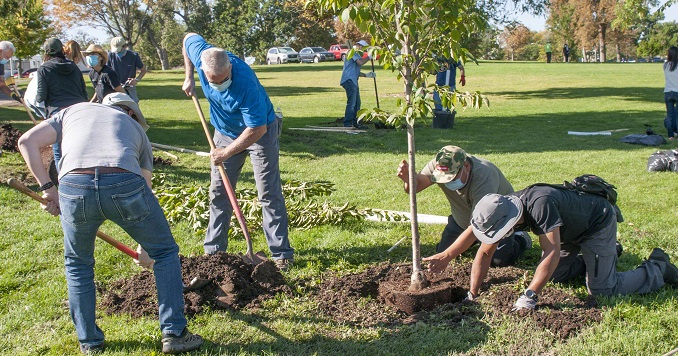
(524, 132)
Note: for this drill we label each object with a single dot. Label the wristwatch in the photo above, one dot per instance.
(531, 294)
(46, 186)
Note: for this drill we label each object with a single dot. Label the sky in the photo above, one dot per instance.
(532, 22)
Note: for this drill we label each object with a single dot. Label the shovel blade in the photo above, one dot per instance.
(254, 258)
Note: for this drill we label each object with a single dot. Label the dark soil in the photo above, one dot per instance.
(231, 284)
(366, 299)
(9, 136)
(161, 161)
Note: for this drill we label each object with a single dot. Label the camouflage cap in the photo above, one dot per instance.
(449, 161)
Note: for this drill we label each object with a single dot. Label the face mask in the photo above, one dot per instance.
(455, 184)
(4, 61)
(93, 61)
(122, 53)
(221, 87)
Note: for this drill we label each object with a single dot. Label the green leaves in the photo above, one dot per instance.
(304, 210)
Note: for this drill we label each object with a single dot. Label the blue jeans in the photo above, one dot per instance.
(671, 100)
(264, 155)
(86, 201)
(352, 103)
(441, 79)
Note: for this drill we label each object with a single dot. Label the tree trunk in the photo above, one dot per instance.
(162, 52)
(616, 48)
(583, 54)
(601, 41)
(418, 279)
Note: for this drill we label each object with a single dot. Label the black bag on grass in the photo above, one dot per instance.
(646, 140)
(592, 184)
(662, 161)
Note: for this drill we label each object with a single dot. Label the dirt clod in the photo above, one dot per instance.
(162, 161)
(232, 285)
(9, 136)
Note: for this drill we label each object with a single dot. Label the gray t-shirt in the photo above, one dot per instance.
(95, 135)
(485, 179)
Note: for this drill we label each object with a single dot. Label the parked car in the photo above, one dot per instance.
(281, 55)
(315, 55)
(27, 72)
(339, 51)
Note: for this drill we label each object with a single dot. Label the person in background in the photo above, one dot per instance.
(566, 53)
(548, 49)
(6, 52)
(104, 80)
(245, 125)
(349, 81)
(126, 64)
(109, 180)
(60, 83)
(465, 180)
(671, 92)
(72, 53)
(446, 75)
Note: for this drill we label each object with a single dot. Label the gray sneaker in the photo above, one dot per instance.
(524, 239)
(670, 271)
(172, 344)
(92, 349)
(284, 264)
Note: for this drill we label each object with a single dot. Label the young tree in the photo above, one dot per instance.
(514, 37)
(407, 35)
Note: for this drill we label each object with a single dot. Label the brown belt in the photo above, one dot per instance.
(102, 170)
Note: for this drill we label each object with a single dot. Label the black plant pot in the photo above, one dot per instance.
(443, 119)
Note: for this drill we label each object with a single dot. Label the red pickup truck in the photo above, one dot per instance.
(339, 51)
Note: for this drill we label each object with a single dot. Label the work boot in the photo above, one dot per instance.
(619, 247)
(284, 264)
(92, 349)
(172, 344)
(669, 271)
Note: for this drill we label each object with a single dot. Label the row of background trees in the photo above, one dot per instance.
(595, 30)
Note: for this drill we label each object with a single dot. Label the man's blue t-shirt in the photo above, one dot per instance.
(126, 66)
(351, 69)
(244, 104)
(442, 76)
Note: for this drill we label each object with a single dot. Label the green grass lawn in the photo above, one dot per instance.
(524, 132)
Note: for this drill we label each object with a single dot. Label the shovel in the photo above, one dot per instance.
(250, 257)
(12, 85)
(115, 243)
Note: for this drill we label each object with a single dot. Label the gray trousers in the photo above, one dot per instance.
(508, 249)
(132, 92)
(599, 256)
(264, 155)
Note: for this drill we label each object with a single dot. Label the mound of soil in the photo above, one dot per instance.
(224, 282)
(161, 161)
(367, 299)
(9, 136)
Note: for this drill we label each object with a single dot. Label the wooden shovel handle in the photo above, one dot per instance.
(115, 243)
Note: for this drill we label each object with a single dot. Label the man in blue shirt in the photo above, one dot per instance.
(246, 124)
(349, 81)
(126, 63)
(446, 75)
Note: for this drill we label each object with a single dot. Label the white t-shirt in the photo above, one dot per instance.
(671, 78)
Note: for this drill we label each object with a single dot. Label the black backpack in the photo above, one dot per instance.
(591, 184)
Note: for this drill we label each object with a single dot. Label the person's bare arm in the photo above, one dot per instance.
(148, 175)
(189, 82)
(3, 86)
(423, 181)
(438, 262)
(481, 265)
(550, 245)
(247, 138)
(30, 143)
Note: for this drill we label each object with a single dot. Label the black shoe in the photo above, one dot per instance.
(669, 271)
(620, 249)
(172, 344)
(360, 127)
(92, 349)
(524, 239)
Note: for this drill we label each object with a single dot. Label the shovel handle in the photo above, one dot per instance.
(28, 110)
(227, 184)
(115, 243)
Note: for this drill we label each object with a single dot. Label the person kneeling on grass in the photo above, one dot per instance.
(108, 181)
(566, 222)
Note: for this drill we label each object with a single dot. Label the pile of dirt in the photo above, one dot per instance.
(9, 136)
(366, 299)
(228, 283)
(161, 161)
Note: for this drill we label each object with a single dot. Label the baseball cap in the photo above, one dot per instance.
(362, 43)
(117, 43)
(52, 46)
(96, 49)
(494, 216)
(449, 161)
(122, 99)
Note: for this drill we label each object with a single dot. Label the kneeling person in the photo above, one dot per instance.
(105, 174)
(465, 180)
